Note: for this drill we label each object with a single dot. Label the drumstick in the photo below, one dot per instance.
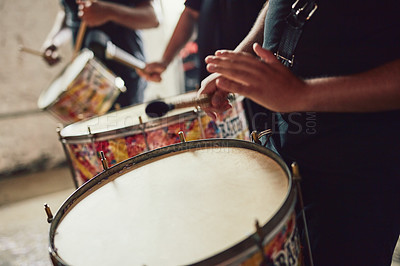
(115, 53)
(30, 51)
(160, 108)
(38, 53)
(79, 38)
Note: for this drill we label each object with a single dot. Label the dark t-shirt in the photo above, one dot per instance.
(123, 37)
(341, 38)
(222, 24)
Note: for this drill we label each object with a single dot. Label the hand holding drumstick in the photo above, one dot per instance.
(50, 54)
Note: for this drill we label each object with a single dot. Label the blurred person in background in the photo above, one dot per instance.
(118, 21)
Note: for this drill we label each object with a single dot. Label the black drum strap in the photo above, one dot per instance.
(301, 11)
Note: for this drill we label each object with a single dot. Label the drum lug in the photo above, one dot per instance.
(104, 161)
(255, 136)
(297, 179)
(182, 136)
(48, 213)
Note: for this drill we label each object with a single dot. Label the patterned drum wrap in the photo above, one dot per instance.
(84, 89)
(283, 250)
(132, 138)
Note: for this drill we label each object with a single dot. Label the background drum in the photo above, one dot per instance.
(195, 202)
(84, 89)
(127, 132)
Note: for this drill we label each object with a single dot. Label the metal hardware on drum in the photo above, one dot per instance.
(128, 132)
(143, 127)
(103, 161)
(184, 211)
(297, 179)
(182, 136)
(48, 213)
(255, 136)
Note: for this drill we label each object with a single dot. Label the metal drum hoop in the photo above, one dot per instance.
(240, 249)
(152, 124)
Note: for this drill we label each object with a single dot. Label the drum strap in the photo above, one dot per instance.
(301, 11)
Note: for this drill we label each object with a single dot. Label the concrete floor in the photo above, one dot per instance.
(23, 226)
(24, 230)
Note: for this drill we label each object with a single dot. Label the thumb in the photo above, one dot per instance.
(264, 54)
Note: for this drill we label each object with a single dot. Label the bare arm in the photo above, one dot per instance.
(183, 31)
(272, 85)
(375, 90)
(58, 35)
(209, 86)
(96, 13)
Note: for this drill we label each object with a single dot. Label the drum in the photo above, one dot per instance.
(189, 203)
(127, 132)
(84, 89)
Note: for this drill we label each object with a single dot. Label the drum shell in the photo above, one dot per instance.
(126, 141)
(91, 92)
(280, 236)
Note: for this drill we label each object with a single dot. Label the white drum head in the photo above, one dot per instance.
(174, 209)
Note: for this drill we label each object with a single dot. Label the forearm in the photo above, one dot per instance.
(256, 34)
(183, 32)
(136, 18)
(372, 91)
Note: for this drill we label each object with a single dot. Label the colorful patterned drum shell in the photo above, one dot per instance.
(84, 89)
(189, 203)
(120, 134)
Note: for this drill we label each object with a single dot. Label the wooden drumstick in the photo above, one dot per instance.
(160, 108)
(30, 51)
(79, 38)
(55, 56)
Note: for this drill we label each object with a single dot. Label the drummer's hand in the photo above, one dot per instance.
(264, 80)
(50, 55)
(93, 12)
(219, 101)
(153, 71)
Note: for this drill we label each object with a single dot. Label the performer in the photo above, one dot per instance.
(220, 25)
(118, 21)
(337, 107)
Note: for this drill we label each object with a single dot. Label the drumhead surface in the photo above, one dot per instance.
(123, 118)
(61, 83)
(174, 209)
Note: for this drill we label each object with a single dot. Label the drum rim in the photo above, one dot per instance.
(242, 247)
(152, 124)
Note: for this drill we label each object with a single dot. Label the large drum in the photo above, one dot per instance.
(84, 89)
(125, 133)
(190, 203)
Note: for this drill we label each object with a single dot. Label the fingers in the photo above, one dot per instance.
(264, 54)
(208, 84)
(228, 85)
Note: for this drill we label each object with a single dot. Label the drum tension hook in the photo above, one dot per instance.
(48, 212)
(255, 136)
(182, 137)
(104, 161)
